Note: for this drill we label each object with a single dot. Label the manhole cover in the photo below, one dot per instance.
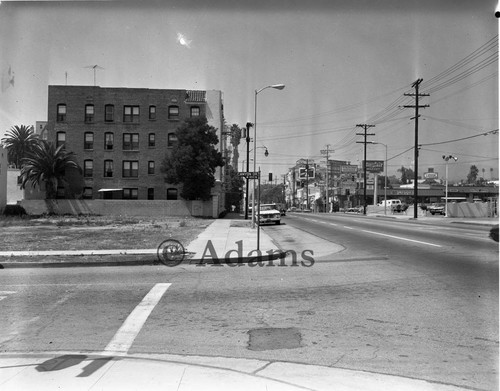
(274, 338)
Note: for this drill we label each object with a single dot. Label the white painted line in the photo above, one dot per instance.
(400, 238)
(333, 224)
(5, 294)
(126, 334)
(345, 226)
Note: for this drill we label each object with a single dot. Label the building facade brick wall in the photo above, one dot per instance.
(77, 111)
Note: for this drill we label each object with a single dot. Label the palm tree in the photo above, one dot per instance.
(19, 143)
(47, 164)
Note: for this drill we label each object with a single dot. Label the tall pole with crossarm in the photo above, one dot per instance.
(278, 87)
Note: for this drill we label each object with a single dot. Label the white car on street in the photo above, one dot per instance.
(269, 214)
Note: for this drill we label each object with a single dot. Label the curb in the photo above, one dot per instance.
(189, 261)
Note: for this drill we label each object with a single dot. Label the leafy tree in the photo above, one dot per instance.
(270, 193)
(472, 175)
(234, 192)
(194, 159)
(406, 174)
(19, 143)
(47, 164)
(236, 133)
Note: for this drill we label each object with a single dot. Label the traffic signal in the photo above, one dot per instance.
(270, 177)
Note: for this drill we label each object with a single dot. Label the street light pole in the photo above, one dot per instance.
(277, 87)
(446, 158)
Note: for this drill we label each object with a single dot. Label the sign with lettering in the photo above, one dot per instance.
(374, 165)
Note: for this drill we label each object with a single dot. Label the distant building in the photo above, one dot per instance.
(121, 135)
(41, 129)
(14, 192)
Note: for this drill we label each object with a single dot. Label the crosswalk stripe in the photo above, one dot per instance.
(126, 334)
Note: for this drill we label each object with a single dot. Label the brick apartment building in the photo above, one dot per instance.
(121, 135)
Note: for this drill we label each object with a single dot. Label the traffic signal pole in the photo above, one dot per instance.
(248, 126)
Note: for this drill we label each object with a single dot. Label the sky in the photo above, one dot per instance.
(343, 63)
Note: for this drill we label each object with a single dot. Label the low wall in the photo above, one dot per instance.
(153, 208)
(471, 209)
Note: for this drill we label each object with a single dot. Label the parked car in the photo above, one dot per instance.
(390, 203)
(494, 233)
(436, 208)
(269, 214)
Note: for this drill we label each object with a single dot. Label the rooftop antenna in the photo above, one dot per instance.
(94, 67)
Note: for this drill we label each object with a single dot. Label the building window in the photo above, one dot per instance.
(173, 112)
(171, 194)
(152, 112)
(87, 193)
(130, 169)
(61, 139)
(151, 140)
(108, 168)
(195, 111)
(89, 113)
(151, 193)
(108, 141)
(88, 142)
(61, 113)
(130, 193)
(151, 167)
(130, 141)
(171, 139)
(131, 114)
(109, 113)
(88, 168)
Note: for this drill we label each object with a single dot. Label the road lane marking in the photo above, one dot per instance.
(126, 334)
(345, 226)
(5, 294)
(400, 238)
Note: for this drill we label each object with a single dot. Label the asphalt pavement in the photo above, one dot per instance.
(231, 239)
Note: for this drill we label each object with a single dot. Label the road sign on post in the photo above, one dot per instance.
(249, 175)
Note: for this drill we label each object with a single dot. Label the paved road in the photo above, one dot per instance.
(369, 302)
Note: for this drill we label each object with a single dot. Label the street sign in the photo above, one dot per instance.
(249, 175)
(430, 175)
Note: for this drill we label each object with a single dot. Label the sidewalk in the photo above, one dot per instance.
(234, 238)
(104, 371)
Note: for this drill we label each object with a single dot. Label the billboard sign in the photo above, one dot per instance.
(431, 175)
(349, 169)
(374, 165)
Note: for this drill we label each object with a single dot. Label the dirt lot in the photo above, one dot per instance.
(93, 233)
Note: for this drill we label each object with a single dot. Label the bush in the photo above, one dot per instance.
(14, 210)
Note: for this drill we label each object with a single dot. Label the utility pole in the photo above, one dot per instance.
(247, 138)
(415, 85)
(365, 127)
(327, 151)
(307, 183)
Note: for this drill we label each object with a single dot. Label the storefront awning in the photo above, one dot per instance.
(102, 190)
